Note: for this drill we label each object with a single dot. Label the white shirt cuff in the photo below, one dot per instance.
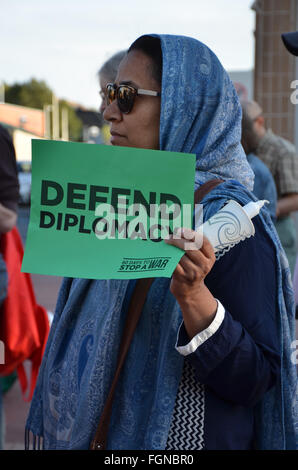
(201, 337)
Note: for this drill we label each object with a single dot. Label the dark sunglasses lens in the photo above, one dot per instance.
(111, 93)
(125, 99)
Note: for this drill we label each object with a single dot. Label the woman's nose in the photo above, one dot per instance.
(112, 112)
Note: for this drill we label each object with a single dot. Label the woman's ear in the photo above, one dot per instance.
(260, 121)
(259, 126)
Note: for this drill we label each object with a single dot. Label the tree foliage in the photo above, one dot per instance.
(35, 94)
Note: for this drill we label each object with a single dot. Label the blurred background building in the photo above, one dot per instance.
(31, 110)
(275, 69)
(272, 82)
(24, 124)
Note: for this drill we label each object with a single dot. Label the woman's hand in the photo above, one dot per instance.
(196, 301)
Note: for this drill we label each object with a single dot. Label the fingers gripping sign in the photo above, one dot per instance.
(197, 261)
(197, 303)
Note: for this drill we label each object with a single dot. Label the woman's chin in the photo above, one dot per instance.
(118, 140)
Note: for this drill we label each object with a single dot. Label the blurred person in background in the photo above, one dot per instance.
(9, 197)
(264, 185)
(107, 74)
(280, 156)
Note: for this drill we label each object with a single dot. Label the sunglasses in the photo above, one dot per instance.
(125, 95)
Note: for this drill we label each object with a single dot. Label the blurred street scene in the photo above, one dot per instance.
(31, 109)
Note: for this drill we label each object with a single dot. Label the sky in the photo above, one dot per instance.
(64, 42)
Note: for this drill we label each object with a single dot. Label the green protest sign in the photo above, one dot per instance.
(102, 212)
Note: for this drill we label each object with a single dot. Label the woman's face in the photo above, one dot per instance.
(140, 127)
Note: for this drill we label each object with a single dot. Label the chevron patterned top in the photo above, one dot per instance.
(187, 427)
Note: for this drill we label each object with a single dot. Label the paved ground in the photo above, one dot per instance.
(15, 409)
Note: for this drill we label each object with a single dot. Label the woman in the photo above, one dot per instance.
(229, 316)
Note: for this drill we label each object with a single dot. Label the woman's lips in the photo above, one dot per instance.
(115, 137)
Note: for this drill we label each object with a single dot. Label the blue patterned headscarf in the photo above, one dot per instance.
(200, 113)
